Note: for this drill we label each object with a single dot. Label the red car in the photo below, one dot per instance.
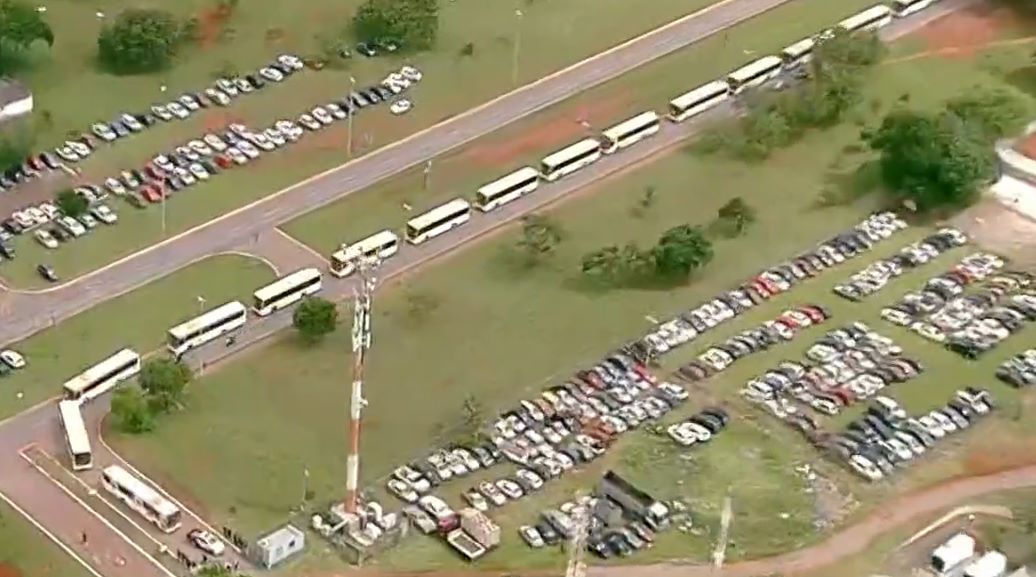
(151, 193)
(223, 161)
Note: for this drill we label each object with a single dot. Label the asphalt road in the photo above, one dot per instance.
(114, 556)
(28, 313)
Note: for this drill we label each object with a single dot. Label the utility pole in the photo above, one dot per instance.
(517, 46)
(724, 532)
(349, 138)
(427, 175)
(361, 342)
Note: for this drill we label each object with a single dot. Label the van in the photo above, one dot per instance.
(953, 552)
(992, 564)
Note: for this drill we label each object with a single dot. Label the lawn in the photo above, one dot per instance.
(553, 34)
(138, 319)
(27, 552)
(475, 327)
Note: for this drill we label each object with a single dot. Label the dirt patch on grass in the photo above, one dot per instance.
(566, 126)
(1027, 146)
(1001, 230)
(211, 23)
(9, 571)
(961, 33)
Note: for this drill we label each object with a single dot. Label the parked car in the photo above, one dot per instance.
(206, 541)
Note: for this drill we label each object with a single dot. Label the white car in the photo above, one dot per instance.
(476, 500)
(402, 490)
(215, 143)
(46, 239)
(104, 132)
(206, 542)
(162, 161)
(401, 106)
(435, 507)
(289, 129)
(260, 140)
(250, 151)
(489, 491)
(185, 175)
(67, 153)
(217, 96)
(336, 111)
(200, 147)
(12, 359)
(291, 61)
(309, 122)
(243, 85)
(229, 87)
(131, 122)
(271, 74)
(322, 115)
(510, 488)
(178, 110)
(199, 171)
(531, 536)
(411, 73)
(865, 468)
(161, 111)
(88, 221)
(531, 479)
(237, 156)
(275, 136)
(104, 214)
(189, 101)
(114, 185)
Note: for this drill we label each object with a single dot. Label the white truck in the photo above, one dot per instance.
(953, 552)
(476, 535)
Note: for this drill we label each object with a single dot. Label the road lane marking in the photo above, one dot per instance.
(305, 247)
(100, 517)
(49, 535)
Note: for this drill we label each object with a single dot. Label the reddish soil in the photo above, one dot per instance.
(960, 34)
(552, 132)
(9, 571)
(211, 22)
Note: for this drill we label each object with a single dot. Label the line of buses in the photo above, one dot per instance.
(288, 290)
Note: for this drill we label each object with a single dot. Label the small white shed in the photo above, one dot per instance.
(275, 548)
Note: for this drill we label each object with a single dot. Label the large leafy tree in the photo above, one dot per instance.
(164, 382)
(314, 318)
(415, 23)
(131, 412)
(72, 204)
(682, 250)
(21, 25)
(932, 160)
(996, 113)
(737, 215)
(140, 40)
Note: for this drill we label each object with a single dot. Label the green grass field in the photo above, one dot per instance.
(137, 319)
(27, 552)
(553, 34)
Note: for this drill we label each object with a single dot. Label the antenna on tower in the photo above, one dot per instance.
(581, 526)
(720, 552)
(363, 294)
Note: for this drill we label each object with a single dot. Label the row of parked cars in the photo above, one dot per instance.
(885, 437)
(565, 426)
(969, 322)
(782, 329)
(844, 366)
(773, 281)
(557, 524)
(1019, 370)
(877, 275)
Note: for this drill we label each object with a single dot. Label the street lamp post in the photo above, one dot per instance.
(349, 138)
(517, 45)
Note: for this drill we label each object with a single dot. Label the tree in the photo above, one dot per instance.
(681, 250)
(131, 412)
(540, 236)
(603, 263)
(415, 23)
(72, 204)
(164, 382)
(14, 148)
(996, 113)
(21, 25)
(932, 160)
(140, 40)
(737, 215)
(314, 318)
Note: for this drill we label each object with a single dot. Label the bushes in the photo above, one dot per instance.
(139, 41)
(414, 23)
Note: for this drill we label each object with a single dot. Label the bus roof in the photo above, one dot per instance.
(857, 20)
(521, 175)
(751, 69)
(581, 147)
(377, 239)
(703, 91)
(79, 382)
(642, 119)
(142, 491)
(441, 211)
(75, 428)
(220, 312)
(284, 283)
(799, 48)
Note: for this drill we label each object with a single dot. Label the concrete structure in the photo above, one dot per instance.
(15, 99)
(275, 548)
(1016, 187)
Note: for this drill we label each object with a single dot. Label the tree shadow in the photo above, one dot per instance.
(510, 264)
(1023, 79)
(591, 286)
(845, 187)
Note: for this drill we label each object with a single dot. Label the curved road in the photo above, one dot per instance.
(28, 313)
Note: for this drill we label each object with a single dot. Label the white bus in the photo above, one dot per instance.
(140, 497)
(570, 159)
(630, 131)
(102, 377)
(506, 189)
(438, 220)
(698, 100)
(904, 8)
(211, 325)
(798, 53)
(286, 291)
(76, 440)
(755, 73)
(381, 245)
(872, 18)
